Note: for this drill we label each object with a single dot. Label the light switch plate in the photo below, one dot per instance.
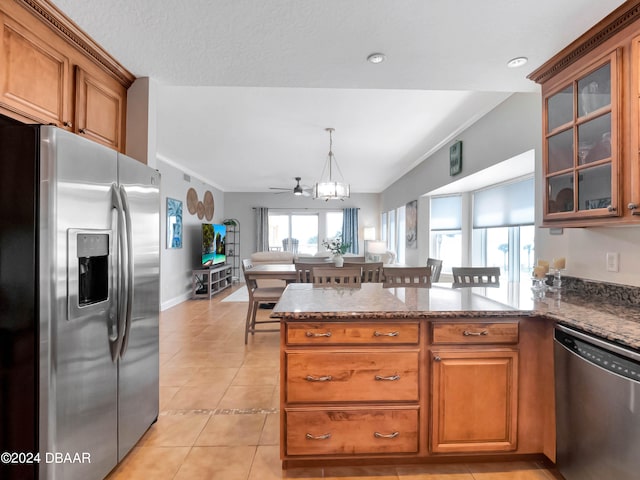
(613, 260)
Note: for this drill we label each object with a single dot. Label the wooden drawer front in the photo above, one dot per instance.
(475, 333)
(352, 431)
(331, 333)
(362, 376)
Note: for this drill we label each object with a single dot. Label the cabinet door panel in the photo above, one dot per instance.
(33, 76)
(99, 110)
(475, 400)
(351, 376)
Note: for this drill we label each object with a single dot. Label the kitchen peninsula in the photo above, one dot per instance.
(374, 375)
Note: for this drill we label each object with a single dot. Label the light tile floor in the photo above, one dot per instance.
(219, 404)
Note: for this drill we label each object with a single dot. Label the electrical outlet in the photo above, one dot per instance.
(613, 261)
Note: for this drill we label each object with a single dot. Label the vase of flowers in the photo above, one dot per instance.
(337, 249)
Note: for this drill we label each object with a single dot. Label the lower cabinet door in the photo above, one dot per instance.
(347, 431)
(474, 400)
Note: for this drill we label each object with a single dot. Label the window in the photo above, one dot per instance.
(334, 224)
(446, 231)
(402, 234)
(384, 229)
(503, 223)
(307, 228)
(393, 232)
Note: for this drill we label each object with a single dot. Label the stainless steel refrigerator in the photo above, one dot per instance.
(79, 301)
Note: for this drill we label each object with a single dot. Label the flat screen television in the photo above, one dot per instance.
(214, 238)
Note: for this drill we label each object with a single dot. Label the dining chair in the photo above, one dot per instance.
(258, 295)
(304, 271)
(406, 277)
(337, 276)
(436, 268)
(372, 272)
(290, 245)
(476, 276)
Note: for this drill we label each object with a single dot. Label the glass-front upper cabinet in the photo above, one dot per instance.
(581, 144)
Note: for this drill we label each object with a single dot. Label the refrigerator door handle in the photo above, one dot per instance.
(115, 342)
(129, 269)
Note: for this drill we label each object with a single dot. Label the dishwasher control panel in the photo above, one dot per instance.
(609, 361)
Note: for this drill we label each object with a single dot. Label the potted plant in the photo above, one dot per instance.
(337, 248)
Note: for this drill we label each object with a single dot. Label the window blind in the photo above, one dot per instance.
(506, 205)
(446, 213)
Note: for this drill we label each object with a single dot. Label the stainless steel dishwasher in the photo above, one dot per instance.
(597, 408)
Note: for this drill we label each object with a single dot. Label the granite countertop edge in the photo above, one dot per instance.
(610, 326)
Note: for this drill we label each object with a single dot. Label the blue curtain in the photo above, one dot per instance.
(262, 229)
(350, 228)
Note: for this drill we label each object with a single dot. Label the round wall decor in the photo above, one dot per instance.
(208, 205)
(192, 201)
(200, 210)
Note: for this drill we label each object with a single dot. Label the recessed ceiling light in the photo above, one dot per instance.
(376, 58)
(517, 62)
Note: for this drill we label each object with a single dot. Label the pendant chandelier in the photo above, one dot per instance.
(327, 188)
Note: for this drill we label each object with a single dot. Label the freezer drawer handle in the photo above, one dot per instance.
(325, 436)
(468, 333)
(386, 435)
(311, 378)
(391, 378)
(390, 334)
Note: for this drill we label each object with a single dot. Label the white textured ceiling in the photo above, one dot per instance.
(248, 86)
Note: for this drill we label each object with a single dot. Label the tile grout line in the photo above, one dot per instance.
(221, 411)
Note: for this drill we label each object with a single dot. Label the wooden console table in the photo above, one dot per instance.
(206, 282)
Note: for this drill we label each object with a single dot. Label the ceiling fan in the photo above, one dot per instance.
(297, 190)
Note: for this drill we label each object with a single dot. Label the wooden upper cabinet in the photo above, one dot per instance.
(53, 73)
(34, 77)
(633, 199)
(581, 143)
(100, 109)
(591, 125)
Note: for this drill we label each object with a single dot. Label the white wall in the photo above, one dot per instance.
(510, 129)
(240, 205)
(176, 264)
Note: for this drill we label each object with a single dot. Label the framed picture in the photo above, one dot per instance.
(455, 158)
(174, 223)
(411, 223)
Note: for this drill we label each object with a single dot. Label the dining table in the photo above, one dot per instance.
(277, 271)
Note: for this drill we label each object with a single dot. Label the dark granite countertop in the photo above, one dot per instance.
(303, 302)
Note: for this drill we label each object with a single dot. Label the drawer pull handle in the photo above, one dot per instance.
(312, 334)
(386, 435)
(483, 333)
(326, 378)
(391, 378)
(326, 436)
(437, 358)
(381, 334)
